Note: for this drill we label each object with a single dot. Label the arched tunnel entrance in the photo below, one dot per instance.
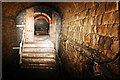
(39, 41)
(41, 27)
(41, 24)
(75, 40)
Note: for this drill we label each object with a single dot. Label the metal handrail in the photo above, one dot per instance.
(94, 52)
(21, 46)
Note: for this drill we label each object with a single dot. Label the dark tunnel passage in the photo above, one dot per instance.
(41, 25)
(60, 40)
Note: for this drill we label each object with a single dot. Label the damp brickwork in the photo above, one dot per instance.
(88, 29)
(92, 26)
(10, 11)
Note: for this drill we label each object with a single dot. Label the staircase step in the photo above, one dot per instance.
(48, 41)
(39, 45)
(36, 67)
(39, 55)
(38, 60)
(30, 49)
(39, 65)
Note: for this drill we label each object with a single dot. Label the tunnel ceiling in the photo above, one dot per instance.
(13, 11)
(43, 9)
(17, 7)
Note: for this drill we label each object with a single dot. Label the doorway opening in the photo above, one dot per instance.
(41, 25)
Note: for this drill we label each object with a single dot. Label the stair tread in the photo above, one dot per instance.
(38, 67)
(38, 63)
(39, 45)
(38, 52)
(34, 42)
(39, 55)
(30, 49)
(38, 60)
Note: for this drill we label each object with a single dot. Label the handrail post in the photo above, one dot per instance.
(21, 45)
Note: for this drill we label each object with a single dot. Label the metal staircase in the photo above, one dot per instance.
(39, 54)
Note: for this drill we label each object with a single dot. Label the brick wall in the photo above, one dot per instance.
(8, 39)
(9, 31)
(94, 25)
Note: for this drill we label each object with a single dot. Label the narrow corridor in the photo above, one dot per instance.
(60, 40)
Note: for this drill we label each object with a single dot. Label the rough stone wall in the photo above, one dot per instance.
(8, 39)
(94, 25)
(9, 31)
(55, 29)
(90, 24)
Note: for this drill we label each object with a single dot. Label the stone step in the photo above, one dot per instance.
(39, 45)
(37, 49)
(39, 42)
(39, 55)
(38, 61)
(43, 41)
(42, 37)
(36, 67)
(43, 66)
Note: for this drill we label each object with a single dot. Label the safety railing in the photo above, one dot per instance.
(96, 57)
(96, 54)
(21, 45)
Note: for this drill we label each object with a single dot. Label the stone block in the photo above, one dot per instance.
(93, 41)
(93, 29)
(116, 17)
(109, 55)
(107, 18)
(115, 46)
(95, 20)
(80, 6)
(10, 9)
(88, 12)
(7, 22)
(90, 20)
(89, 4)
(81, 22)
(100, 8)
(96, 3)
(102, 30)
(93, 10)
(108, 42)
(113, 30)
(82, 14)
(81, 39)
(111, 6)
(85, 21)
(113, 54)
(105, 52)
(101, 42)
(110, 30)
(77, 34)
(99, 19)
(88, 29)
(87, 38)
